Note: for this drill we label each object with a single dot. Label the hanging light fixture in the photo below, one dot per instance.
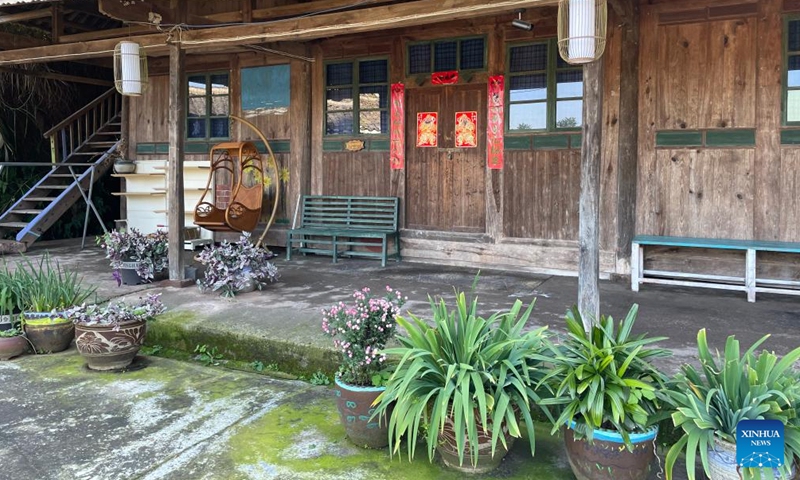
(130, 69)
(582, 28)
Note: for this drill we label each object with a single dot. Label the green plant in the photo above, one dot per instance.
(257, 365)
(603, 379)
(475, 374)
(319, 378)
(13, 332)
(148, 251)
(154, 350)
(208, 356)
(728, 389)
(231, 267)
(116, 313)
(45, 287)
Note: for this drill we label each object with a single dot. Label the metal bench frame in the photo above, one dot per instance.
(749, 283)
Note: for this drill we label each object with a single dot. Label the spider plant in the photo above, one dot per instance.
(45, 287)
(472, 374)
(730, 388)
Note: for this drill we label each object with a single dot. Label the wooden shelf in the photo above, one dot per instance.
(134, 194)
(198, 189)
(185, 167)
(187, 212)
(128, 175)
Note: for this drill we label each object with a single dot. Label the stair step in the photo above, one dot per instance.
(39, 199)
(112, 132)
(54, 187)
(25, 211)
(63, 175)
(101, 144)
(14, 224)
(86, 153)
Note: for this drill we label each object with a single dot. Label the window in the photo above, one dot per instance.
(209, 106)
(446, 55)
(792, 94)
(544, 92)
(357, 97)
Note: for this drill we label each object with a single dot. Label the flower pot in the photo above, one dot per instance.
(107, 349)
(355, 411)
(48, 334)
(448, 449)
(124, 166)
(12, 346)
(722, 462)
(128, 274)
(7, 322)
(607, 458)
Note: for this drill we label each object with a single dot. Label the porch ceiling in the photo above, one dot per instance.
(303, 28)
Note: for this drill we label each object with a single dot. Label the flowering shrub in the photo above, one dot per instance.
(118, 312)
(232, 267)
(361, 331)
(148, 251)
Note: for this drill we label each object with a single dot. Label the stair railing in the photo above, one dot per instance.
(76, 130)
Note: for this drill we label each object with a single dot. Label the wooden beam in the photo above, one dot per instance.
(420, 12)
(57, 22)
(622, 7)
(110, 33)
(589, 238)
(59, 76)
(141, 12)
(175, 190)
(247, 11)
(11, 41)
(25, 16)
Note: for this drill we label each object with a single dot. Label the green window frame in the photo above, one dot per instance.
(791, 70)
(357, 97)
(208, 106)
(459, 47)
(543, 92)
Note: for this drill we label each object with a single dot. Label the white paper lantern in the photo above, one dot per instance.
(130, 69)
(582, 28)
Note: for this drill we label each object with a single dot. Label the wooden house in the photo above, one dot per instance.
(700, 117)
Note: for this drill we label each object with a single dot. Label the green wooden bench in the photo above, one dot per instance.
(329, 222)
(747, 283)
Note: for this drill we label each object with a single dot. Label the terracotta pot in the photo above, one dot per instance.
(12, 346)
(48, 337)
(447, 448)
(106, 349)
(607, 458)
(355, 412)
(722, 463)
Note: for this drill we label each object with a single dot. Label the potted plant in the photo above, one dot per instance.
(466, 382)
(135, 257)
(121, 164)
(233, 268)
(46, 290)
(10, 299)
(709, 403)
(12, 343)
(360, 332)
(109, 337)
(604, 388)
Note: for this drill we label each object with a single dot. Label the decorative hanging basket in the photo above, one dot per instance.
(582, 28)
(130, 69)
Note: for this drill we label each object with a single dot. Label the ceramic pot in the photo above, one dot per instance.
(722, 462)
(103, 348)
(47, 334)
(11, 347)
(486, 462)
(128, 273)
(124, 166)
(355, 411)
(607, 458)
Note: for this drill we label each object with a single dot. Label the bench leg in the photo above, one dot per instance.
(397, 245)
(385, 251)
(750, 275)
(288, 246)
(636, 266)
(335, 249)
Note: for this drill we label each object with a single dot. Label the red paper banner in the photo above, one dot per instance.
(444, 78)
(466, 129)
(397, 153)
(427, 129)
(495, 124)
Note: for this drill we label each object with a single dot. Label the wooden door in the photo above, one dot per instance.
(445, 185)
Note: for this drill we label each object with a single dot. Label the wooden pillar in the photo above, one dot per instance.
(589, 238)
(125, 130)
(397, 183)
(175, 190)
(300, 148)
(317, 120)
(57, 23)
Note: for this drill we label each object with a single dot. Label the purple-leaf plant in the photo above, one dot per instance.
(232, 267)
(118, 312)
(148, 251)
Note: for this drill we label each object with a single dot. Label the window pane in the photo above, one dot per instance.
(197, 106)
(373, 122)
(569, 114)
(373, 71)
(340, 123)
(219, 105)
(219, 128)
(340, 99)
(528, 87)
(529, 57)
(196, 128)
(197, 85)
(570, 83)
(339, 74)
(793, 106)
(472, 54)
(444, 56)
(220, 81)
(794, 71)
(373, 97)
(794, 36)
(527, 116)
(560, 63)
(419, 58)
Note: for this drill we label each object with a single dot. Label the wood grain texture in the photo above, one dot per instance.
(317, 118)
(175, 191)
(789, 213)
(299, 160)
(611, 123)
(356, 174)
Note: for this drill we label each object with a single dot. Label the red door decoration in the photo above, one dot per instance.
(427, 129)
(444, 78)
(466, 129)
(495, 124)
(397, 147)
